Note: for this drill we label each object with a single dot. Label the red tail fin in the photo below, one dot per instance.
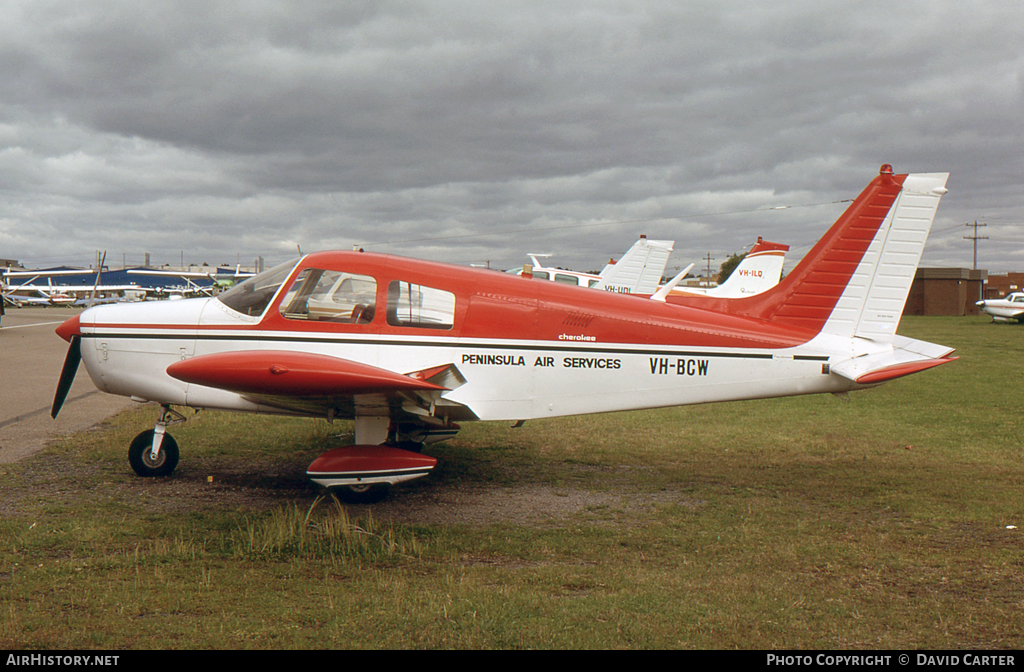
(807, 296)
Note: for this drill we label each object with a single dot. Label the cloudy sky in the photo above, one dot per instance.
(476, 132)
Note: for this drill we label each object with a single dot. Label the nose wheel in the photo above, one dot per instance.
(154, 452)
(142, 460)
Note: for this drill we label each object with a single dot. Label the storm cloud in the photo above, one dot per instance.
(473, 132)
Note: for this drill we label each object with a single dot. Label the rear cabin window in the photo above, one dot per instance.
(331, 296)
(412, 305)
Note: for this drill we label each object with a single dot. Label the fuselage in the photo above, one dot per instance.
(527, 348)
(1004, 310)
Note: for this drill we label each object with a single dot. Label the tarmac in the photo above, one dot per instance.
(31, 357)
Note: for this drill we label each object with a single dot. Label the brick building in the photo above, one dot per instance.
(945, 291)
(1000, 285)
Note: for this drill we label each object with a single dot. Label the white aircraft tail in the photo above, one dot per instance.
(856, 279)
(872, 303)
(760, 270)
(639, 270)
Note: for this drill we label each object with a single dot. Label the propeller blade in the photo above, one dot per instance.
(67, 374)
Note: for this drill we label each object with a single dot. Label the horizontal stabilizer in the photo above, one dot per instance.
(278, 372)
(906, 357)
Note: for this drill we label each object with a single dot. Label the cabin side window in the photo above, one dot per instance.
(331, 296)
(412, 305)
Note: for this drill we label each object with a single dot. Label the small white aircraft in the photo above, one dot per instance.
(218, 281)
(409, 349)
(759, 270)
(638, 271)
(23, 288)
(28, 291)
(1010, 309)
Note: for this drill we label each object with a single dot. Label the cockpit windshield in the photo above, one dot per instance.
(254, 295)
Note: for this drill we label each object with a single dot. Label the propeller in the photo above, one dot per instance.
(71, 333)
(67, 374)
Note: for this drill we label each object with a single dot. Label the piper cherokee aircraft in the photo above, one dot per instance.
(409, 349)
(1010, 309)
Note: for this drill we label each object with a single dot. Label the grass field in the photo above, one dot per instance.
(892, 520)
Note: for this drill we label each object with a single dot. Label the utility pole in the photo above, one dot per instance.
(975, 238)
(709, 259)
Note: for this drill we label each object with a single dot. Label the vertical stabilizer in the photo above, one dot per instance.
(856, 279)
(759, 271)
(873, 303)
(639, 270)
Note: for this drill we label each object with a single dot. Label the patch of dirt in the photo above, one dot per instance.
(203, 484)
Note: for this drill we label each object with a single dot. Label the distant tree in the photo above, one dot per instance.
(728, 266)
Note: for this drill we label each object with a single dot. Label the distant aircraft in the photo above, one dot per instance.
(1010, 309)
(218, 280)
(638, 271)
(409, 348)
(23, 287)
(759, 270)
(27, 291)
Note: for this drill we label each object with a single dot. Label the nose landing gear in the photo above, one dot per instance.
(154, 452)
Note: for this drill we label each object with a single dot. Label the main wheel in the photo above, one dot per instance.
(362, 494)
(143, 464)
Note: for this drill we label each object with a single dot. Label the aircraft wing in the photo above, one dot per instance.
(45, 274)
(316, 384)
(907, 356)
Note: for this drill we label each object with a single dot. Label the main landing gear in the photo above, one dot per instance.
(154, 452)
(363, 473)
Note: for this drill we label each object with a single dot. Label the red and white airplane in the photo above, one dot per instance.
(1009, 309)
(409, 348)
